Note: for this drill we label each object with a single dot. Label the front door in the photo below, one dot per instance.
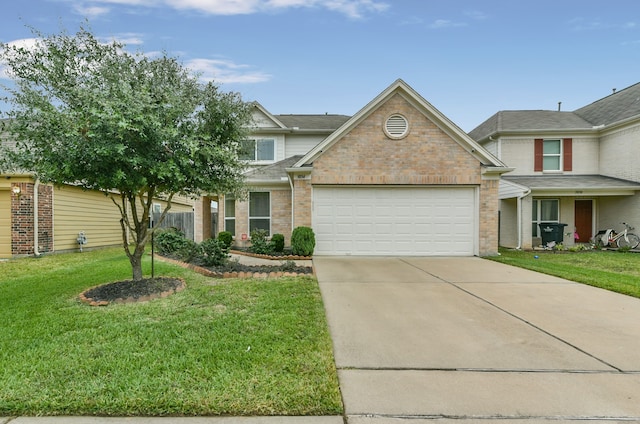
(584, 220)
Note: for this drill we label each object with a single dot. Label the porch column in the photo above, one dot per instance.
(202, 219)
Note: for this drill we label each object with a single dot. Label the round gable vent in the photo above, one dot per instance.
(396, 126)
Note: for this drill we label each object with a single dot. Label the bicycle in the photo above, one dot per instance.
(609, 238)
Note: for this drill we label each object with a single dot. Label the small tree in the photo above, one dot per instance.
(131, 126)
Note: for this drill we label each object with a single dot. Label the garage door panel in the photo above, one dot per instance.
(394, 221)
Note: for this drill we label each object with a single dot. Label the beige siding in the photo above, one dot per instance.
(75, 210)
(518, 153)
(619, 154)
(5, 224)
(509, 223)
(301, 144)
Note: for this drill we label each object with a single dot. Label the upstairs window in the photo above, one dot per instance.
(553, 155)
(258, 150)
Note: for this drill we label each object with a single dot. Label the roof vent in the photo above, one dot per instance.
(396, 126)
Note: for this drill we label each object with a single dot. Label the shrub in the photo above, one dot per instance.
(189, 251)
(168, 241)
(259, 242)
(303, 241)
(226, 237)
(214, 252)
(277, 240)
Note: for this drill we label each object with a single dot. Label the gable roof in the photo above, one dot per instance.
(613, 109)
(529, 120)
(616, 107)
(313, 122)
(440, 120)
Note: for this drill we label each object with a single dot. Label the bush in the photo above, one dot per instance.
(168, 241)
(226, 237)
(259, 242)
(277, 240)
(189, 251)
(214, 252)
(303, 241)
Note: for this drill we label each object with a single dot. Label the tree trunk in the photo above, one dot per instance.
(136, 265)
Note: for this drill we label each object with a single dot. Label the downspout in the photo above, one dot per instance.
(292, 201)
(36, 224)
(519, 208)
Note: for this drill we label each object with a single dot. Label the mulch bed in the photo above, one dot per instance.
(129, 291)
(239, 270)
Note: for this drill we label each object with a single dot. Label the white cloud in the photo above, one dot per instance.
(91, 11)
(225, 71)
(476, 14)
(350, 8)
(27, 43)
(126, 38)
(581, 24)
(445, 23)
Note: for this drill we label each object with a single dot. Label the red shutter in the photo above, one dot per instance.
(567, 159)
(537, 155)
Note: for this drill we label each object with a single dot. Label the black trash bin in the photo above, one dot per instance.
(551, 231)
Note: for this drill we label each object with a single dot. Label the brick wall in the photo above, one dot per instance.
(426, 155)
(22, 219)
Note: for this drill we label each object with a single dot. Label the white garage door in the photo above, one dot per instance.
(399, 221)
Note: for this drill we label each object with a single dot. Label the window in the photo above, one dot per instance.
(262, 149)
(260, 211)
(551, 154)
(554, 155)
(544, 210)
(230, 214)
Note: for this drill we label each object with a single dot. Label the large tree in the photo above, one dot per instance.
(134, 127)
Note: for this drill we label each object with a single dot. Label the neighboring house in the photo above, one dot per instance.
(397, 178)
(38, 218)
(579, 168)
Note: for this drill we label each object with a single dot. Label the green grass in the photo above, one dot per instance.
(611, 270)
(221, 347)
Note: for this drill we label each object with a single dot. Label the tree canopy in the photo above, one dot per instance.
(91, 114)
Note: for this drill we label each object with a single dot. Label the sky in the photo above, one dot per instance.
(468, 58)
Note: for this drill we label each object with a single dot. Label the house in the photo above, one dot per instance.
(38, 218)
(397, 178)
(578, 168)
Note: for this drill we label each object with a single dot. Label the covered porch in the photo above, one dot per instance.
(585, 203)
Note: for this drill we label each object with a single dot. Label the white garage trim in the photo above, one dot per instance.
(396, 220)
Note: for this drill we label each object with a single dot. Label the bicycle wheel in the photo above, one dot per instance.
(630, 240)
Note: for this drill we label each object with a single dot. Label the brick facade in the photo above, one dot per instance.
(22, 219)
(425, 156)
(365, 155)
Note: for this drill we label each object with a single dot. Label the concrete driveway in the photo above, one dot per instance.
(470, 339)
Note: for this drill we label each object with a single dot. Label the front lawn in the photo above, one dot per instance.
(220, 347)
(611, 270)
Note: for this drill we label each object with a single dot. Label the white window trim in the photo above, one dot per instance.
(255, 150)
(537, 219)
(229, 218)
(560, 156)
(250, 217)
